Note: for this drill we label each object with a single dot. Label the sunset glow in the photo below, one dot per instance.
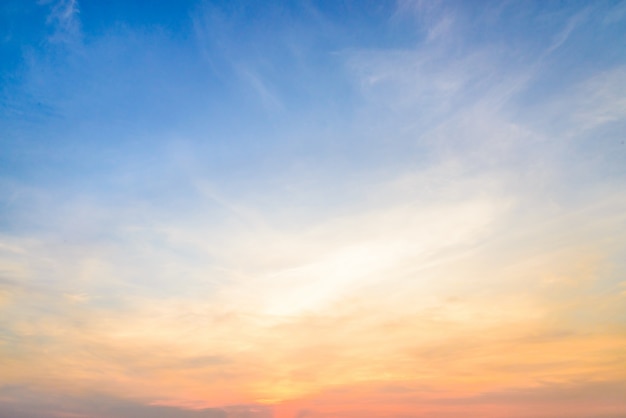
(312, 209)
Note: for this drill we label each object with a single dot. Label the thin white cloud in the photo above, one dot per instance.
(268, 97)
(64, 18)
(590, 104)
(561, 37)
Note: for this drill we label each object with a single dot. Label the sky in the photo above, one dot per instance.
(312, 209)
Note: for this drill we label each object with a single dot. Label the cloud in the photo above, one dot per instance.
(64, 20)
(562, 36)
(267, 307)
(23, 403)
(448, 253)
(598, 101)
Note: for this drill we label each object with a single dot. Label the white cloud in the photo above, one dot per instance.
(64, 18)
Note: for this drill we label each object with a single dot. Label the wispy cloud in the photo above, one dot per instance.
(64, 20)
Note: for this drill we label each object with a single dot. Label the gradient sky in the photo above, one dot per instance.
(312, 209)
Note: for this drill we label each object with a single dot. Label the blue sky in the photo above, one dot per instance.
(284, 208)
(250, 83)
